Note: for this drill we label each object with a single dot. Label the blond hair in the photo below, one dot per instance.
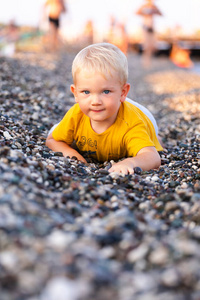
(101, 57)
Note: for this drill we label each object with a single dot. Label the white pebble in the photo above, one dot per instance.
(107, 252)
(194, 167)
(159, 256)
(155, 178)
(148, 178)
(138, 253)
(7, 135)
(62, 288)
(59, 240)
(8, 260)
(184, 185)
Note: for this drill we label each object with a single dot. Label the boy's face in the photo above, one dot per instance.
(99, 97)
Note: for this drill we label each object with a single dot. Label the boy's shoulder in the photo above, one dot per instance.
(130, 115)
(74, 110)
(129, 111)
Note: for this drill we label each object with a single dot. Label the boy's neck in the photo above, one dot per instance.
(99, 127)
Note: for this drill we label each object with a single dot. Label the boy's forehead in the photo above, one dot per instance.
(91, 73)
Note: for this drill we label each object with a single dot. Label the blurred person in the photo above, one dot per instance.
(9, 36)
(88, 33)
(181, 57)
(55, 9)
(148, 10)
(12, 31)
(111, 30)
(178, 55)
(117, 35)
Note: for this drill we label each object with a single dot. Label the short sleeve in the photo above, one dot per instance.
(137, 138)
(65, 129)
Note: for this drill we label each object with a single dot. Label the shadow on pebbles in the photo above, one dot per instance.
(70, 231)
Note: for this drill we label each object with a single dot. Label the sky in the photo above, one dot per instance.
(185, 13)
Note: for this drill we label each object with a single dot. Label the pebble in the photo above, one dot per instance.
(7, 135)
(155, 178)
(74, 231)
(137, 170)
(159, 256)
(171, 206)
(62, 288)
(170, 278)
(58, 240)
(138, 253)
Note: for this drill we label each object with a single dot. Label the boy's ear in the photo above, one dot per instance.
(73, 90)
(125, 90)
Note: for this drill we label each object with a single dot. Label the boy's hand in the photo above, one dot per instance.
(146, 159)
(125, 166)
(63, 147)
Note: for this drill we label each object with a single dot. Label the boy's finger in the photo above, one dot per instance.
(130, 171)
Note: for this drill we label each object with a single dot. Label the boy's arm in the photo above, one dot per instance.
(147, 158)
(60, 146)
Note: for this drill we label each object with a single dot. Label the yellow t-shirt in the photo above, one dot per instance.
(131, 131)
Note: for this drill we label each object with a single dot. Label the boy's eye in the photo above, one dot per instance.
(106, 92)
(86, 92)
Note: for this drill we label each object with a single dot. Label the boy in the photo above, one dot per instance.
(102, 123)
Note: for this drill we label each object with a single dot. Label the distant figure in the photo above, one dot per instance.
(55, 9)
(181, 57)
(111, 30)
(148, 11)
(9, 37)
(117, 35)
(89, 32)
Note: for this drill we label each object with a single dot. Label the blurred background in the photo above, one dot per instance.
(24, 25)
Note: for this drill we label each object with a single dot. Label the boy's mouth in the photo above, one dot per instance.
(97, 110)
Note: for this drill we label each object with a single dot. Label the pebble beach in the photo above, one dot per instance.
(71, 231)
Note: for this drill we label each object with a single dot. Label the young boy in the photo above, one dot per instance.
(103, 124)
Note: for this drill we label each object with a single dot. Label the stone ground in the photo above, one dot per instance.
(70, 231)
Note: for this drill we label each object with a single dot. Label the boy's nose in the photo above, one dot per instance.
(96, 100)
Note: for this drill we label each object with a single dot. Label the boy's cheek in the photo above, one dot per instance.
(76, 97)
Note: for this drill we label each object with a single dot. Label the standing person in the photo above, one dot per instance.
(178, 55)
(55, 9)
(88, 33)
(148, 10)
(104, 124)
(117, 35)
(10, 35)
